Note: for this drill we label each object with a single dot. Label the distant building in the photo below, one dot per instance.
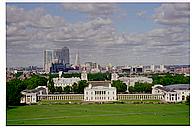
(162, 68)
(100, 91)
(84, 75)
(130, 81)
(114, 76)
(152, 68)
(63, 82)
(58, 67)
(172, 93)
(57, 56)
(48, 60)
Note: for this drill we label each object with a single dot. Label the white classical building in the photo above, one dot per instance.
(172, 93)
(63, 82)
(30, 96)
(100, 91)
(130, 81)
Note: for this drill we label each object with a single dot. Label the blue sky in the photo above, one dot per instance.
(131, 22)
(99, 31)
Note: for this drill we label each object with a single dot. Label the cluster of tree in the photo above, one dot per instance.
(35, 81)
(15, 86)
(18, 74)
(76, 88)
(120, 86)
(169, 79)
(13, 91)
(99, 76)
(140, 88)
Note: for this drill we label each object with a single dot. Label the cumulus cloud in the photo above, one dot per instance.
(173, 14)
(93, 9)
(32, 31)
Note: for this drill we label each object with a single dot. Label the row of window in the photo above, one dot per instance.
(100, 98)
(139, 97)
(99, 93)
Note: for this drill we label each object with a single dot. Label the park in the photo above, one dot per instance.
(99, 114)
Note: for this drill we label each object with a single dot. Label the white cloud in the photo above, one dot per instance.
(36, 30)
(173, 14)
(93, 9)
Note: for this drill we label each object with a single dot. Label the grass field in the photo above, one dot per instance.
(100, 114)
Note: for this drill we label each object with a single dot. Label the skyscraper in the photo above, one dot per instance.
(48, 60)
(61, 55)
(57, 56)
(65, 55)
(77, 61)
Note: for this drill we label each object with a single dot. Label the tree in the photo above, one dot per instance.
(131, 89)
(169, 79)
(121, 87)
(13, 91)
(74, 88)
(81, 85)
(35, 81)
(67, 89)
(51, 87)
(142, 87)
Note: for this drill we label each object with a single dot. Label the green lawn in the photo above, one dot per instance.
(100, 114)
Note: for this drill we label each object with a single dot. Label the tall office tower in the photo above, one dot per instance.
(65, 55)
(61, 56)
(48, 59)
(152, 68)
(162, 68)
(77, 61)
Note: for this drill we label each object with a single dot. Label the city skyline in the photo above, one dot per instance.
(120, 34)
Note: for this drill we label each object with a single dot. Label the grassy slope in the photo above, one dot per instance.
(100, 114)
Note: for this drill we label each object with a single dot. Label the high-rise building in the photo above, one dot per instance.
(57, 56)
(61, 55)
(77, 61)
(48, 60)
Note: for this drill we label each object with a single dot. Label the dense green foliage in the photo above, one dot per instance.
(99, 76)
(35, 81)
(120, 86)
(18, 74)
(100, 114)
(141, 88)
(169, 79)
(81, 85)
(13, 91)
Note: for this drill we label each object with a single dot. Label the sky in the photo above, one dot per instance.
(115, 33)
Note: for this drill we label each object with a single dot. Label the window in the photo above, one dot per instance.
(86, 98)
(87, 93)
(183, 97)
(108, 93)
(91, 93)
(91, 98)
(113, 92)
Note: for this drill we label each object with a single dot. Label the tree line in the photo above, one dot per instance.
(169, 79)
